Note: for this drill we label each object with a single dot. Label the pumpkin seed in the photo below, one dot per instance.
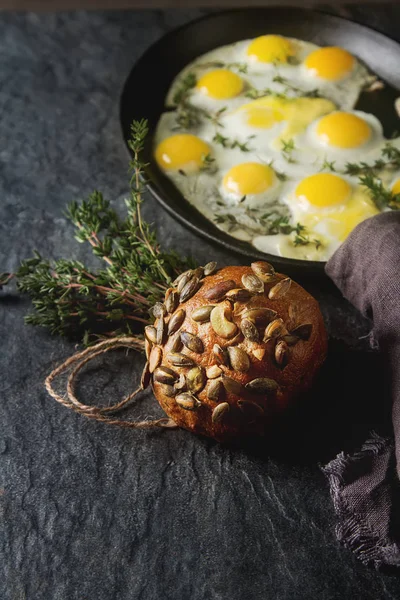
(262, 385)
(151, 333)
(190, 289)
(302, 331)
(260, 316)
(187, 401)
(214, 390)
(181, 276)
(180, 360)
(168, 390)
(155, 358)
(239, 359)
(290, 339)
(196, 379)
(202, 314)
(220, 319)
(147, 347)
(165, 375)
(199, 272)
(217, 292)
(180, 385)
(183, 279)
(231, 385)
(280, 289)
(238, 295)
(213, 372)
(220, 412)
(249, 330)
(274, 329)
(263, 270)
(158, 310)
(192, 342)
(210, 268)
(259, 353)
(250, 409)
(172, 301)
(146, 376)
(281, 353)
(160, 330)
(176, 343)
(221, 354)
(252, 283)
(176, 321)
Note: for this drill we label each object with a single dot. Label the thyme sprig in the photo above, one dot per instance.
(288, 147)
(226, 142)
(72, 299)
(254, 93)
(219, 64)
(382, 196)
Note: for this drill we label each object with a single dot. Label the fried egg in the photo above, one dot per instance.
(273, 131)
(340, 137)
(254, 183)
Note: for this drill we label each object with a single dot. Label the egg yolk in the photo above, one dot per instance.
(396, 187)
(324, 190)
(263, 117)
(330, 63)
(270, 49)
(220, 84)
(343, 130)
(181, 151)
(248, 178)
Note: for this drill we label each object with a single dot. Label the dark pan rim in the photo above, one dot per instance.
(310, 268)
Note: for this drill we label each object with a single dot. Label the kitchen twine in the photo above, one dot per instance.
(98, 413)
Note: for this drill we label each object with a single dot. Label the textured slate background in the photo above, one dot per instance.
(97, 513)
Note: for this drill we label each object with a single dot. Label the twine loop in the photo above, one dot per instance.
(77, 361)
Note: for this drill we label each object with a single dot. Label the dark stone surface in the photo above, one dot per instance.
(92, 512)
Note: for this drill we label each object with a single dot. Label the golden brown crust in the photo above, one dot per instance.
(285, 363)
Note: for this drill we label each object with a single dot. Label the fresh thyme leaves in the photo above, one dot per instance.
(208, 163)
(328, 166)
(71, 299)
(296, 90)
(226, 142)
(390, 158)
(218, 64)
(186, 85)
(5, 278)
(379, 193)
(187, 115)
(254, 93)
(215, 118)
(288, 147)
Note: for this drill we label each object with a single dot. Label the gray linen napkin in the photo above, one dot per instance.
(365, 486)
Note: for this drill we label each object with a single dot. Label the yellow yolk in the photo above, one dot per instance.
(324, 190)
(248, 178)
(396, 187)
(181, 151)
(220, 84)
(343, 130)
(270, 49)
(296, 112)
(330, 63)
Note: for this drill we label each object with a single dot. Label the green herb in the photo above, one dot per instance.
(288, 147)
(328, 166)
(226, 142)
(215, 118)
(254, 94)
(183, 91)
(390, 158)
(208, 163)
(218, 64)
(71, 299)
(379, 193)
(296, 90)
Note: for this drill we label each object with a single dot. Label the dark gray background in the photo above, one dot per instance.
(98, 513)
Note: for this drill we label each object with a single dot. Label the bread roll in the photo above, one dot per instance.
(231, 349)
